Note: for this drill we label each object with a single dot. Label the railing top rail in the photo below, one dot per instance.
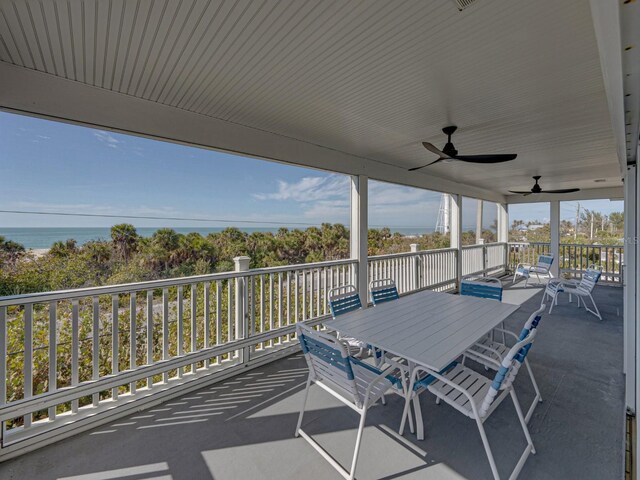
(43, 297)
(481, 245)
(411, 254)
(594, 245)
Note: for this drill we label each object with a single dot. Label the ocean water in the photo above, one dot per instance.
(45, 237)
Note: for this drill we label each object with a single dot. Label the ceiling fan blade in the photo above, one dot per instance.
(498, 158)
(433, 149)
(428, 164)
(562, 190)
(520, 193)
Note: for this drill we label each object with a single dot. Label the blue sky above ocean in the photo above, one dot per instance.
(49, 166)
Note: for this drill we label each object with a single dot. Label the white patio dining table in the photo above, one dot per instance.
(427, 328)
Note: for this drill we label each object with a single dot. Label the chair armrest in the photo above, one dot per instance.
(473, 353)
(508, 332)
(382, 376)
(443, 379)
(528, 265)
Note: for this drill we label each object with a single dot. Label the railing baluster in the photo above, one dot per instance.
(304, 295)
(230, 333)
(280, 306)
(295, 296)
(271, 308)
(149, 334)
(180, 325)
(75, 349)
(262, 309)
(28, 358)
(115, 341)
(219, 317)
(132, 337)
(289, 337)
(194, 323)
(207, 318)
(53, 357)
(165, 330)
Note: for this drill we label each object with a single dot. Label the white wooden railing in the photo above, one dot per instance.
(484, 259)
(417, 270)
(574, 258)
(72, 359)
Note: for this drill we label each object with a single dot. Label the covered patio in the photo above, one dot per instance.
(243, 427)
(353, 88)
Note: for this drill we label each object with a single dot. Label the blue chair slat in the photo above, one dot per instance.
(345, 304)
(326, 354)
(429, 379)
(382, 295)
(481, 290)
(545, 260)
(394, 380)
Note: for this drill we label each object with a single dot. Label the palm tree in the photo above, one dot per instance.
(125, 240)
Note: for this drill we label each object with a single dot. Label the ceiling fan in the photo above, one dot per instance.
(537, 189)
(449, 152)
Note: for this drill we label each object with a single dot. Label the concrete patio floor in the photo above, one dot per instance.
(243, 428)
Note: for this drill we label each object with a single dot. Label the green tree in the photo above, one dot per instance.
(125, 240)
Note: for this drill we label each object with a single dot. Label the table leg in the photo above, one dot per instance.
(417, 410)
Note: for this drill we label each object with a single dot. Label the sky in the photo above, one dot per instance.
(49, 166)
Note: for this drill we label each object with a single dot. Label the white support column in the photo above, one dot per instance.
(242, 323)
(359, 233)
(503, 222)
(554, 223)
(456, 234)
(630, 285)
(502, 217)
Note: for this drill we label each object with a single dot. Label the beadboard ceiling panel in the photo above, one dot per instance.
(369, 78)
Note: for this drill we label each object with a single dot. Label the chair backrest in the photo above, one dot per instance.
(383, 290)
(483, 287)
(588, 281)
(328, 361)
(595, 271)
(343, 299)
(532, 322)
(508, 371)
(545, 261)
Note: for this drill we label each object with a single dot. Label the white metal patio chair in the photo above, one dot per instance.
(477, 396)
(543, 267)
(355, 383)
(343, 300)
(488, 352)
(581, 290)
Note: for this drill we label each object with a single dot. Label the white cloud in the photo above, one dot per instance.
(106, 138)
(326, 198)
(309, 189)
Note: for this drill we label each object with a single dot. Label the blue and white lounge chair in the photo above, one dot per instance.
(477, 396)
(488, 352)
(383, 290)
(582, 290)
(355, 383)
(543, 267)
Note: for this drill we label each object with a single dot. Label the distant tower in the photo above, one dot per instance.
(443, 223)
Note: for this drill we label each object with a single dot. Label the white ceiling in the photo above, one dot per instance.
(368, 78)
